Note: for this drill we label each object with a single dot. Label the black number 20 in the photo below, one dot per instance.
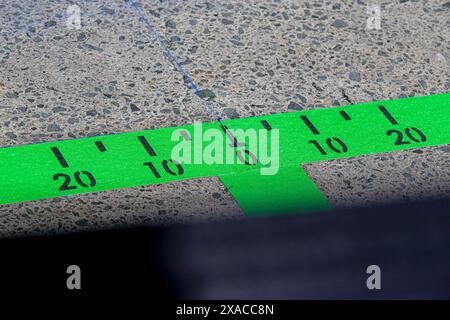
(414, 135)
(77, 176)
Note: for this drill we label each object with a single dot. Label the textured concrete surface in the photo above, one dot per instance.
(254, 57)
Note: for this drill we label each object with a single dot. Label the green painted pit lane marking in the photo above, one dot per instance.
(333, 133)
(69, 167)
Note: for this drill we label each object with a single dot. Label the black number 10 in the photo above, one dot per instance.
(334, 144)
(179, 169)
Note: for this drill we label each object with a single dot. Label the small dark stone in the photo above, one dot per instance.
(82, 36)
(58, 109)
(154, 13)
(227, 22)
(11, 95)
(236, 42)
(53, 127)
(171, 24)
(294, 106)
(302, 98)
(108, 10)
(206, 94)
(316, 86)
(11, 135)
(72, 121)
(50, 23)
(91, 113)
(82, 222)
(91, 47)
(339, 23)
(382, 53)
(175, 39)
(193, 50)
(354, 76)
(231, 112)
(134, 107)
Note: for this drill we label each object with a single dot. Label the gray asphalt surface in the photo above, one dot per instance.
(253, 57)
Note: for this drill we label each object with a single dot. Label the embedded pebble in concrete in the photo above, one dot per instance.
(248, 58)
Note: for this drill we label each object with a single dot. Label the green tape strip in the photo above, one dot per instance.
(369, 131)
(120, 161)
(289, 191)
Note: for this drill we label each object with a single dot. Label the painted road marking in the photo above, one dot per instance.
(31, 172)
